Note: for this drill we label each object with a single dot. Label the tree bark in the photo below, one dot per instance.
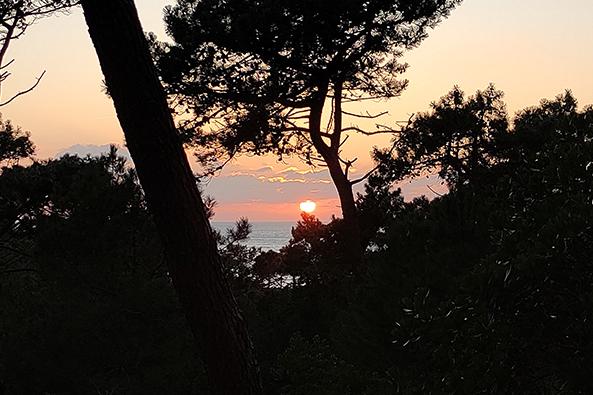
(173, 196)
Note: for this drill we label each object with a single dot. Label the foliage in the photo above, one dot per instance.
(457, 139)
(310, 367)
(486, 289)
(88, 307)
(253, 77)
(14, 143)
(238, 259)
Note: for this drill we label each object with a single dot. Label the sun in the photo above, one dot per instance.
(308, 206)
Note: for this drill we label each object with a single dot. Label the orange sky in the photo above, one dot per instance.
(531, 49)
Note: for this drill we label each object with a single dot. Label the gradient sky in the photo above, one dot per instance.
(531, 49)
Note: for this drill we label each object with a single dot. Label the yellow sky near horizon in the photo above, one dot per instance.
(531, 49)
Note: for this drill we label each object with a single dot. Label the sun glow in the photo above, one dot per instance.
(308, 206)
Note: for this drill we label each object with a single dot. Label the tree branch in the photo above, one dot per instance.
(433, 191)
(337, 115)
(25, 91)
(10, 32)
(367, 115)
(367, 133)
(374, 169)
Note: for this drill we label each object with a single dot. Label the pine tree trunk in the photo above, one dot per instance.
(173, 197)
(352, 236)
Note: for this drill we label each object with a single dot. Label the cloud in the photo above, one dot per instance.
(296, 170)
(281, 179)
(237, 188)
(265, 169)
(263, 193)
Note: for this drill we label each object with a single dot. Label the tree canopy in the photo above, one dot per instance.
(256, 67)
(15, 143)
(254, 77)
(459, 138)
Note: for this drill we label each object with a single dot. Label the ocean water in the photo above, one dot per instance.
(266, 235)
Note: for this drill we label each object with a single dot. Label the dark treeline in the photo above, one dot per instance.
(112, 281)
(486, 289)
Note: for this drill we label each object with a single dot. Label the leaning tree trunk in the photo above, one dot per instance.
(173, 196)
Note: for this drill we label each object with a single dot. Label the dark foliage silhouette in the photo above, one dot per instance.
(255, 77)
(180, 215)
(486, 289)
(87, 305)
(15, 144)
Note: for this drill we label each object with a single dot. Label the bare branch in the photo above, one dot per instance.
(393, 147)
(336, 116)
(406, 123)
(367, 133)
(374, 169)
(433, 191)
(347, 165)
(367, 115)
(25, 91)
(8, 36)
(7, 64)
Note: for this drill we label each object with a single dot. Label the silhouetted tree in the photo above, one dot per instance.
(15, 17)
(173, 196)
(490, 286)
(89, 289)
(482, 290)
(486, 289)
(456, 139)
(257, 76)
(15, 144)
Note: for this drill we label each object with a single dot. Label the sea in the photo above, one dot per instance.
(266, 235)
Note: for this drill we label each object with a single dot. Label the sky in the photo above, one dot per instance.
(531, 49)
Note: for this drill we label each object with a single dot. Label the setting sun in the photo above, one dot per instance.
(308, 206)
